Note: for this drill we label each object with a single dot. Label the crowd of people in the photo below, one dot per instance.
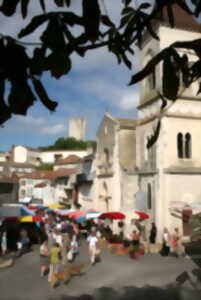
(60, 239)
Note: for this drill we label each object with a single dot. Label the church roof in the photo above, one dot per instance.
(182, 19)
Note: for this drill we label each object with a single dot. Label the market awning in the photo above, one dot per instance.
(138, 215)
(112, 215)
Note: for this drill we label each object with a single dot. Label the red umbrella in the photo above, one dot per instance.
(115, 215)
(140, 215)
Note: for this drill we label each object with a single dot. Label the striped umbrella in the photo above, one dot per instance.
(24, 211)
(30, 219)
(92, 215)
(76, 214)
(81, 219)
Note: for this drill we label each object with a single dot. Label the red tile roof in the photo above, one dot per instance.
(40, 185)
(71, 159)
(181, 19)
(8, 180)
(49, 174)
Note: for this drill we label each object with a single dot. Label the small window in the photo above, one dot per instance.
(188, 145)
(149, 196)
(180, 151)
(106, 156)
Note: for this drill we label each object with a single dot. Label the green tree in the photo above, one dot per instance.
(46, 167)
(96, 29)
(70, 144)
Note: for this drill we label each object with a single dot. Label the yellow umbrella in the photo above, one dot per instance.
(55, 206)
(30, 219)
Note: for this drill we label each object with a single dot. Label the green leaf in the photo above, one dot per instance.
(33, 25)
(42, 4)
(58, 63)
(51, 105)
(71, 18)
(150, 67)
(4, 110)
(126, 61)
(8, 7)
(127, 2)
(151, 31)
(106, 21)
(24, 6)
(37, 65)
(91, 18)
(144, 6)
(153, 139)
(53, 36)
(128, 10)
(59, 3)
(13, 68)
(170, 15)
(20, 98)
(170, 79)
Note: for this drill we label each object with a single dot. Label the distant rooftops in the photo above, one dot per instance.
(71, 159)
(49, 174)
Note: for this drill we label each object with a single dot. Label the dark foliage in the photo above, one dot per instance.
(58, 43)
(70, 144)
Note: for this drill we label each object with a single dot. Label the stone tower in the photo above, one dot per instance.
(77, 128)
(170, 169)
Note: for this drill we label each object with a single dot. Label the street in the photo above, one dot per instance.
(152, 276)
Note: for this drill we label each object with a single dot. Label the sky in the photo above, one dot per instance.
(95, 85)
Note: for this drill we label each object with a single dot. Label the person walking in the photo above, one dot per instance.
(176, 243)
(24, 243)
(165, 243)
(153, 233)
(4, 243)
(44, 258)
(55, 255)
(93, 247)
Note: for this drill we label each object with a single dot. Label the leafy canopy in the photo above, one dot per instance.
(70, 144)
(96, 29)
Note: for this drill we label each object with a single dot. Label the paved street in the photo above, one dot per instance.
(144, 277)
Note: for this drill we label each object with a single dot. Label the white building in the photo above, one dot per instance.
(170, 170)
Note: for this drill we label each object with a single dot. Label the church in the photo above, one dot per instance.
(165, 177)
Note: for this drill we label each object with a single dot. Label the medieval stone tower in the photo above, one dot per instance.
(77, 128)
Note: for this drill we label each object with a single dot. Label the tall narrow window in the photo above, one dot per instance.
(149, 204)
(188, 147)
(180, 145)
(106, 156)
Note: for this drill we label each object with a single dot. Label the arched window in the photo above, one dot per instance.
(188, 149)
(149, 204)
(180, 151)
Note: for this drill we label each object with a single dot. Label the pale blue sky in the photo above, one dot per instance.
(95, 85)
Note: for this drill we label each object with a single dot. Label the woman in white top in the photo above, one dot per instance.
(93, 246)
